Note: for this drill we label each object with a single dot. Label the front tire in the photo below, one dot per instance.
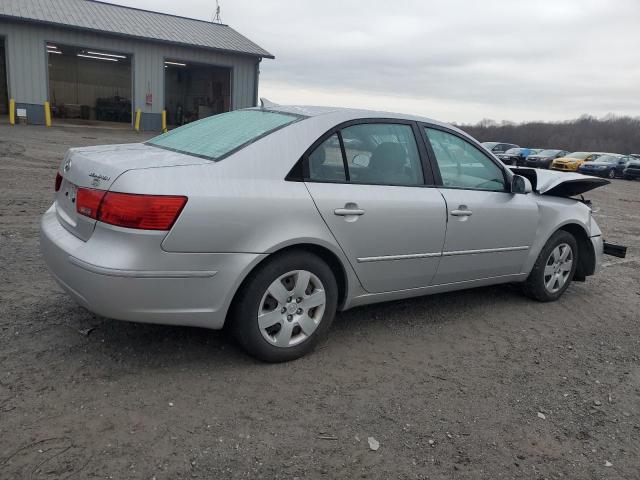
(612, 173)
(554, 268)
(285, 307)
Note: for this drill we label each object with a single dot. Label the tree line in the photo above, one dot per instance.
(609, 134)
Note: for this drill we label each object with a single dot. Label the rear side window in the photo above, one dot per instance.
(325, 162)
(382, 153)
(217, 136)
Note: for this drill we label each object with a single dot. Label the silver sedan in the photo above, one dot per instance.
(271, 219)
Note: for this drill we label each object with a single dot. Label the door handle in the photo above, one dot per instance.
(343, 212)
(461, 213)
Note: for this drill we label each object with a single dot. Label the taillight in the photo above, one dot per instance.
(58, 181)
(88, 202)
(145, 212)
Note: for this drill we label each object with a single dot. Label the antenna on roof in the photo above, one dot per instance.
(216, 16)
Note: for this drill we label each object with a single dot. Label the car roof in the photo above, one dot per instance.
(354, 113)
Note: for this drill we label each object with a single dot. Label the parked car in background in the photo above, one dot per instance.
(631, 170)
(544, 158)
(517, 156)
(571, 162)
(257, 220)
(635, 155)
(498, 147)
(610, 165)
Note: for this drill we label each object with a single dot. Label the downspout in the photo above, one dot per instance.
(255, 83)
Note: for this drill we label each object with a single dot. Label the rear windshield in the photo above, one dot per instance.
(216, 136)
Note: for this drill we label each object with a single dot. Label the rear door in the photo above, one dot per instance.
(371, 192)
(489, 230)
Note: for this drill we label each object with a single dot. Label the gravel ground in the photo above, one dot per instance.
(477, 384)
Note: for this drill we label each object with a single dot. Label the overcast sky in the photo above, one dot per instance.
(454, 60)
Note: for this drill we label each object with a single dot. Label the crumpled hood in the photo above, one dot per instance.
(560, 184)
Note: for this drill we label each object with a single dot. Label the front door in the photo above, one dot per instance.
(489, 230)
(389, 224)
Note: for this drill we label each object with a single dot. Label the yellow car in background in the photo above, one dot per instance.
(571, 162)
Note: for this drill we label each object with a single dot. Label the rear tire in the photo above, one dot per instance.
(285, 307)
(554, 268)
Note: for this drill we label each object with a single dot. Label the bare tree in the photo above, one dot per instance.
(611, 133)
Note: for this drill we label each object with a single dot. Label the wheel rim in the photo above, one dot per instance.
(558, 268)
(612, 173)
(292, 308)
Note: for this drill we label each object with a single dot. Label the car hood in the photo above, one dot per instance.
(559, 184)
(568, 160)
(598, 164)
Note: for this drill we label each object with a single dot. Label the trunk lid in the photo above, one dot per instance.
(97, 168)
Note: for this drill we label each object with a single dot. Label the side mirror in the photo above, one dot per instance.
(520, 184)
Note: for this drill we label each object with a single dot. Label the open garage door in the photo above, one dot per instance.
(89, 85)
(195, 91)
(4, 92)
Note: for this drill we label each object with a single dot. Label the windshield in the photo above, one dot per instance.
(216, 136)
(514, 151)
(490, 145)
(578, 155)
(548, 153)
(608, 159)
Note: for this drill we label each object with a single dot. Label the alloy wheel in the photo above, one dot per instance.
(292, 308)
(558, 268)
(612, 173)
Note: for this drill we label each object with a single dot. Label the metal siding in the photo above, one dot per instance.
(131, 22)
(28, 72)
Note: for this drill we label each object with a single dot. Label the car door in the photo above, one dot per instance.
(489, 229)
(622, 163)
(390, 225)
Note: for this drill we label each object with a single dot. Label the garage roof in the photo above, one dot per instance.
(131, 22)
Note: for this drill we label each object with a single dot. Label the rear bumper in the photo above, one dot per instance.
(136, 282)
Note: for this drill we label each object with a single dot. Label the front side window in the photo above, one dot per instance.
(382, 154)
(213, 137)
(325, 162)
(462, 165)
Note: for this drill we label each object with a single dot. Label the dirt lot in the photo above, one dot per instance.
(477, 384)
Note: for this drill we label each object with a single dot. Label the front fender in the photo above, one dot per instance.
(556, 213)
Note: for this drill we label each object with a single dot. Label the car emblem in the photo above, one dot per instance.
(67, 165)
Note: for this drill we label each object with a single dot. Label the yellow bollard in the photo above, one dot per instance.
(164, 121)
(47, 114)
(12, 111)
(138, 117)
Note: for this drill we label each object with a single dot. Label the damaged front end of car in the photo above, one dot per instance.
(568, 185)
